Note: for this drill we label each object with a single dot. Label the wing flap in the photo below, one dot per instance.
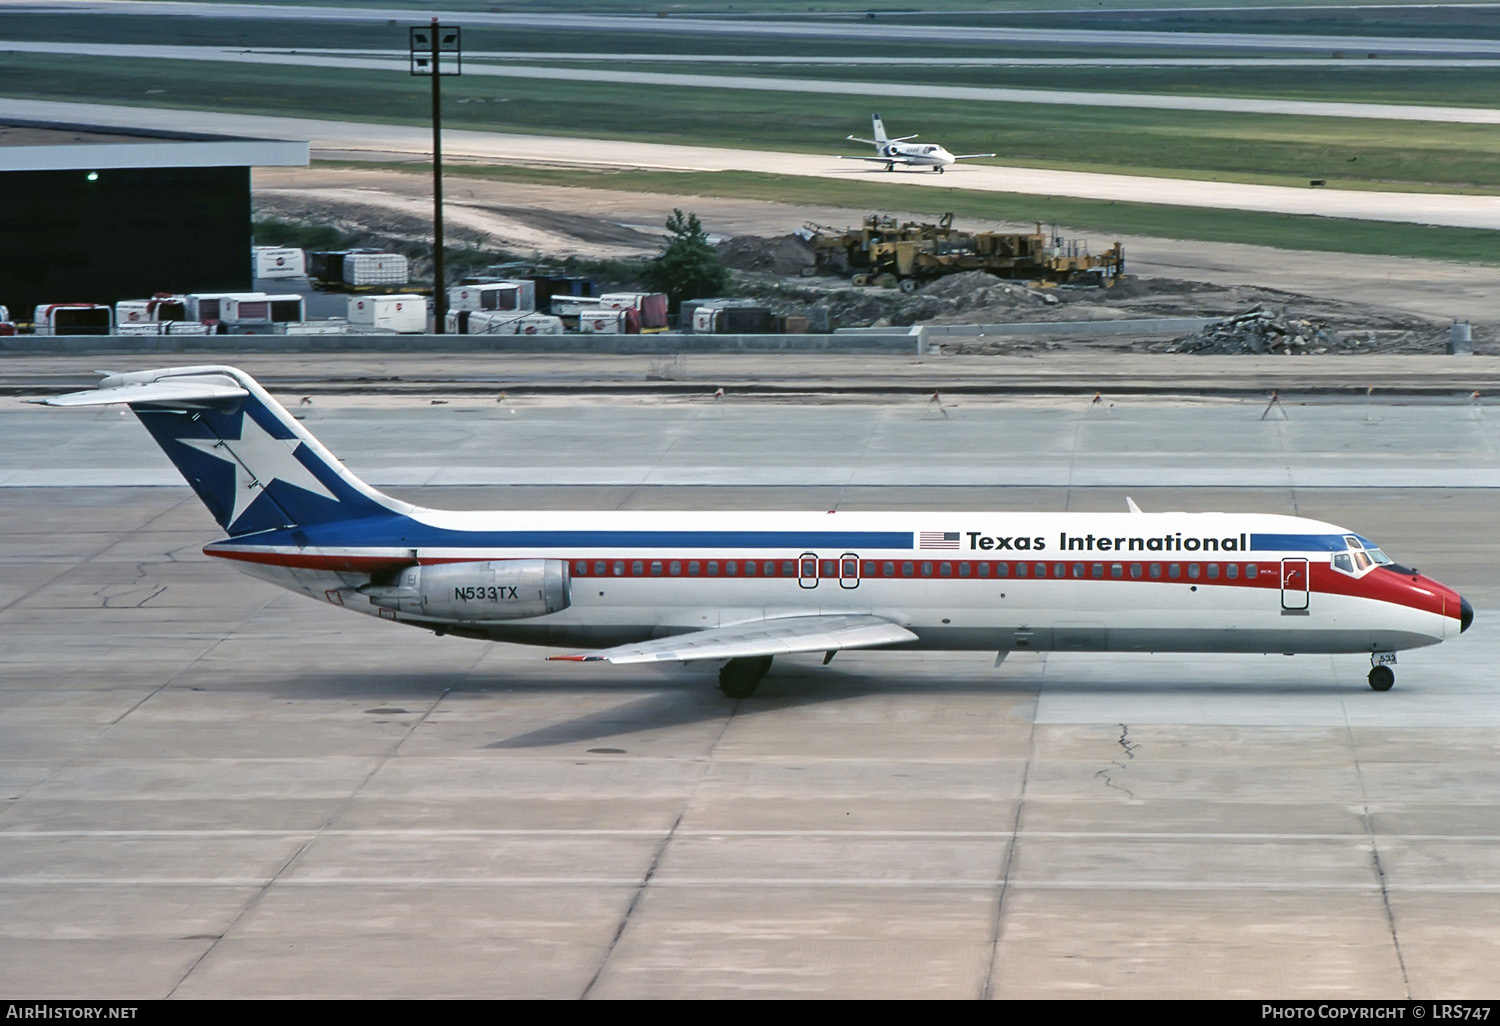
(779, 636)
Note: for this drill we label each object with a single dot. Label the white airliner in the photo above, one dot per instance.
(742, 587)
(891, 152)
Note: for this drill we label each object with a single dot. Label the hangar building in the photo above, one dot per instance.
(98, 215)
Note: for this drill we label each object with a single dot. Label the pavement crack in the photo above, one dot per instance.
(1107, 774)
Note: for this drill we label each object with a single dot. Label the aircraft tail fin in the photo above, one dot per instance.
(879, 127)
(250, 461)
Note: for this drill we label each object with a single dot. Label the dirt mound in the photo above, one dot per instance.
(786, 255)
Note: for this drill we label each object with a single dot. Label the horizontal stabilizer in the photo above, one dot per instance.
(120, 388)
(821, 633)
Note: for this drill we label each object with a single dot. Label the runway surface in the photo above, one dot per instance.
(850, 29)
(396, 62)
(373, 140)
(213, 789)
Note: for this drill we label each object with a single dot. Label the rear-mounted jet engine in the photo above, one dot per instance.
(479, 592)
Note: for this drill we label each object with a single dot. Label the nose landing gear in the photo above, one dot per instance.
(1382, 677)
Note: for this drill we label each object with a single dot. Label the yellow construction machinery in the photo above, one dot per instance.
(883, 252)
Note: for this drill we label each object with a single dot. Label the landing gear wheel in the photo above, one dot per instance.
(1382, 678)
(739, 678)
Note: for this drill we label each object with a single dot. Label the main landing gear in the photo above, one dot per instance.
(1382, 677)
(740, 677)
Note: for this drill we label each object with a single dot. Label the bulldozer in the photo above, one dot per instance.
(903, 255)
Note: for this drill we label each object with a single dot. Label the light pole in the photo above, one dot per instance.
(429, 43)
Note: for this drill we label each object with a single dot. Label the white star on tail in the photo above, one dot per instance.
(258, 459)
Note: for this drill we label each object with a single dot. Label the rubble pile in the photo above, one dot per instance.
(1258, 331)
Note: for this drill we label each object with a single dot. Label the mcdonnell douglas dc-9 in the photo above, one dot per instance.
(891, 152)
(742, 587)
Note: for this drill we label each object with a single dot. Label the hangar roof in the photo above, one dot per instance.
(57, 146)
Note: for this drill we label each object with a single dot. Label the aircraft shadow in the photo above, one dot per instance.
(679, 697)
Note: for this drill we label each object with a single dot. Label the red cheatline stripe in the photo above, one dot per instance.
(1379, 585)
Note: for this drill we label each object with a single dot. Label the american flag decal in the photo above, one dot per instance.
(937, 540)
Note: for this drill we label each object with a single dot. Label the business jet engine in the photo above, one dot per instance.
(477, 592)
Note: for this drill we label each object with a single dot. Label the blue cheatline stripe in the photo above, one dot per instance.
(402, 532)
(1298, 542)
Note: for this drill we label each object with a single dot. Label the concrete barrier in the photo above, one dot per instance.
(898, 341)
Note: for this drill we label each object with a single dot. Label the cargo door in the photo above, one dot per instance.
(1294, 587)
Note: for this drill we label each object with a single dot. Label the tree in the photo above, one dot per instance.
(688, 268)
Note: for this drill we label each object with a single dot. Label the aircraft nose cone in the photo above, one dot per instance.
(1465, 614)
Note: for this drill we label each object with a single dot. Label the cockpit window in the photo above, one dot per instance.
(1359, 558)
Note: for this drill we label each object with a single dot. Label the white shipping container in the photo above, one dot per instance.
(375, 269)
(516, 296)
(603, 322)
(404, 313)
(165, 328)
(329, 326)
(72, 319)
(161, 308)
(261, 308)
(503, 323)
(574, 306)
(205, 306)
(276, 262)
(706, 320)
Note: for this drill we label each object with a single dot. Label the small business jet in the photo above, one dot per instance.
(891, 152)
(743, 587)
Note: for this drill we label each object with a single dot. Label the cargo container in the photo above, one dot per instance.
(204, 306)
(652, 307)
(374, 269)
(72, 319)
(707, 320)
(278, 262)
(254, 308)
(552, 286)
(499, 322)
(734, 317)
(404, 313)
(748, 320)
(157, 308)
(573, 306)
(327, 326)
(166, 328)
(518, 296)
(610, 322)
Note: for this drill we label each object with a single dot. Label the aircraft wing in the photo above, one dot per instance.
(882, 160)
(778, 636)
(971, 156)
